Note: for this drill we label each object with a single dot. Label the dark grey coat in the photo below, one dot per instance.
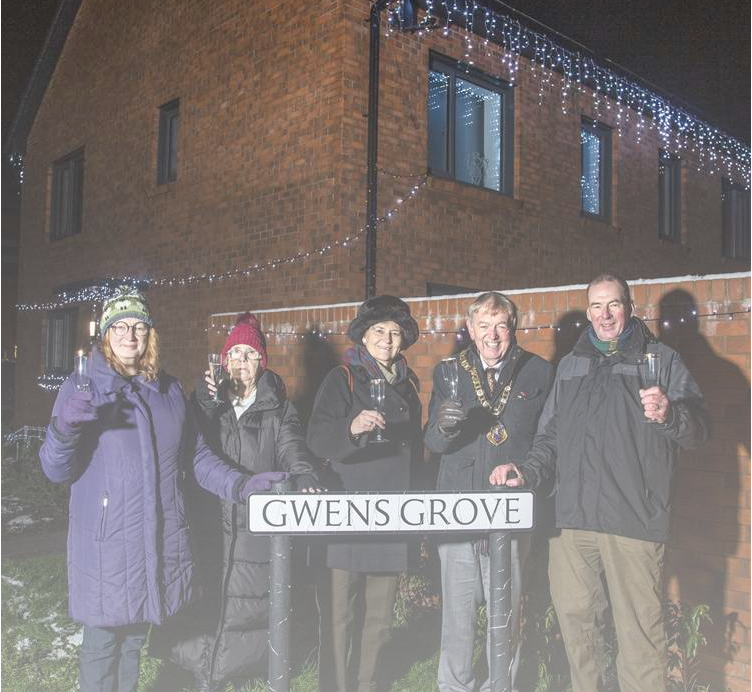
(358, 466)
(467, 457)
(234, 564)
(613, 468)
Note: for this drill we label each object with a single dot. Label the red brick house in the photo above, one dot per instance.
(169, 141)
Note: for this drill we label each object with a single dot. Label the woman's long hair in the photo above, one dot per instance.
(148, 364)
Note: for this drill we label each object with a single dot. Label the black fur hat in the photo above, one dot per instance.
(384, 309)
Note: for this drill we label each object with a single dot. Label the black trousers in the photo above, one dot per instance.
(110, 657)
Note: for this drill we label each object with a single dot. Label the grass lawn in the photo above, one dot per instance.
(40, 643)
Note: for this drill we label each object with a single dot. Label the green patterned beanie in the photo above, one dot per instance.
(127, 301)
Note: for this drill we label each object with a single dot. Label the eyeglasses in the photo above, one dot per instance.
(121, 328)
(243, 356)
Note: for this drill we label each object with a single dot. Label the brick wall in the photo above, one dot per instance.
(709, 560)
(271, 161)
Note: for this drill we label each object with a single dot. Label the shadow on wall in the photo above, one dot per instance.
(319, 357)
(707, 485)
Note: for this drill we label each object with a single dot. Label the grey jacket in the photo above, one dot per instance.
(614, 468)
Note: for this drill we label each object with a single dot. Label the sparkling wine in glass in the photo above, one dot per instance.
(649, 367)
(81, 376)
(215, 368)
(378, 392)
(451, 375)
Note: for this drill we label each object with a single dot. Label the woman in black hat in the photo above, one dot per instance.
(363, 571)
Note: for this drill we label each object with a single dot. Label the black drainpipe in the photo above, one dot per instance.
(373, 134)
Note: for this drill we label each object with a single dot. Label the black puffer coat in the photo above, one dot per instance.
(360, 466)
(233, 614)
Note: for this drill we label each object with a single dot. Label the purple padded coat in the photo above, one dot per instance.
(129, 558)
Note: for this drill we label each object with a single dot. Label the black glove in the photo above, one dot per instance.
(307, 480)
(450, 415)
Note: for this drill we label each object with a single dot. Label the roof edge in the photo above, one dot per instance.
(65, 15)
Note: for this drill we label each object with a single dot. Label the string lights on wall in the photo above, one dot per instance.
(555, 66)
(461, 334)
(104, 288)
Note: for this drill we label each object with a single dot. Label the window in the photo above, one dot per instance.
(470, 126)
(67, 195)
(60, 336)
(669, 196)
(735, 207)
(595, 145)
(167, 151)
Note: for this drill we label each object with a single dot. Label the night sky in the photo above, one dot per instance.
(697, 51)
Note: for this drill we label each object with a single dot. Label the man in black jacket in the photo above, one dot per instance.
(500, 394)
(613, 444)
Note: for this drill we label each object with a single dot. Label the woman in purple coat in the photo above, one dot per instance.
(128, 447)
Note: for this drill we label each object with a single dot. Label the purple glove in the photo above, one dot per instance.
(76, 411)
(261, 482)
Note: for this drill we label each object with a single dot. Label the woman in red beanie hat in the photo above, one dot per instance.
(254, 425)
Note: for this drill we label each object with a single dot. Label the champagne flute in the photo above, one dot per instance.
(451, 375)
(81, 377)
(215, 368)
(649, 369)
(378, 392)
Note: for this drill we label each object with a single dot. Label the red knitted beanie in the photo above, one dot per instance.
(247, 331)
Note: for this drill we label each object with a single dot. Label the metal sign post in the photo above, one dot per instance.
(280, 607)
(282, 515)
(500, 611)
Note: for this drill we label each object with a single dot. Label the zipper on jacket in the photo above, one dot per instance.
(103, 516)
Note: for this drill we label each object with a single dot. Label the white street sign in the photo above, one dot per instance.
(343, 513)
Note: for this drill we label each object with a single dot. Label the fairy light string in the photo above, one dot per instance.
(103, 289)
(558, 68)
(461, 334)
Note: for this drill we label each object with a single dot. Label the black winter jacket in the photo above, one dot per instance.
(358, 465)
(467, 457)
(233, 615)
(613, 467)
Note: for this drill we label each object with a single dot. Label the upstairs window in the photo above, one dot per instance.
(67, 195)
(595, 180)
(735, 209)
(470, 126)
(167, 150)
(60, 342)
(669, 196)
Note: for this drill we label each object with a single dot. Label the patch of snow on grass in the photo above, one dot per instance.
(11, 581)
(18, 524)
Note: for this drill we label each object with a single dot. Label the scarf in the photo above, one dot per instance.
(358, 356)
(610, 347)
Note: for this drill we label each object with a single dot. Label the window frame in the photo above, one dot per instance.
(735, 238)
(68, 320)
(669, 193)
(66, 199)
(167, 142)
(605, 168)
(453, 69)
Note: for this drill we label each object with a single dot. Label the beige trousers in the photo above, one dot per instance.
(348, 653)
(632, 569)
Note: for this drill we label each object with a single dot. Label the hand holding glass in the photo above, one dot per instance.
(378, 392)
(451, 375)
(215, 368)
(649, 369)
(81, 377)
